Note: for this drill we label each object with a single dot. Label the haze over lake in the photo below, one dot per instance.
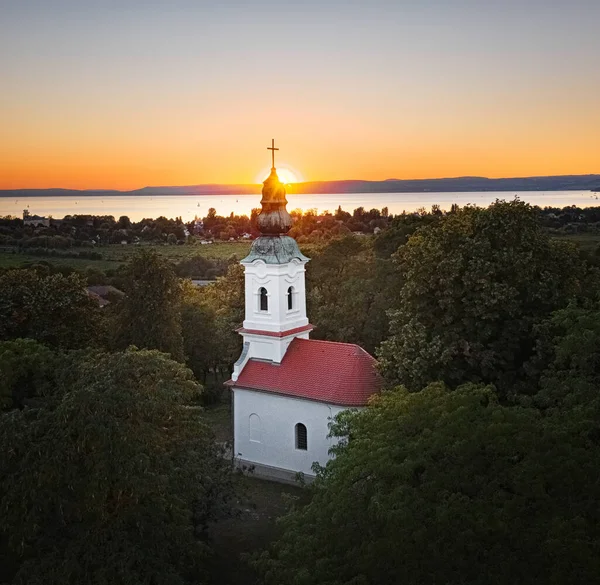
(188, 206)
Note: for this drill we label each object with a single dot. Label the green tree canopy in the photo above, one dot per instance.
(206, 337)
(348, 292)
(149, 315)
(474, 285)
(27, 370)
(53, 309)
(446, 487)
(568, 356)
(114, 480)
(224, 301)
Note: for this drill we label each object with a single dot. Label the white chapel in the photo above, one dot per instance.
(285, 387)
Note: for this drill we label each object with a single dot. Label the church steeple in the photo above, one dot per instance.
(275, 286)
(273, 220)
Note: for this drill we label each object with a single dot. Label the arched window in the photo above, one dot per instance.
(254, 427)
(264, 301)
(301, 437)
(290, 296)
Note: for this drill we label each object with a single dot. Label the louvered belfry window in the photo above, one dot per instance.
(301, 437)
(264, 301)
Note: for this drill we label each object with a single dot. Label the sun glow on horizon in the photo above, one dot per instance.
(285, 173)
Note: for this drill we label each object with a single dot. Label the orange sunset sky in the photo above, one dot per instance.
(112, 94)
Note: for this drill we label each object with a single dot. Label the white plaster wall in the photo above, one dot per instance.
(278, 416)
(276, 279)
(270, 348)
(263, 347)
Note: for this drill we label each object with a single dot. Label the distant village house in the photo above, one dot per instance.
(35, 220)
(104, 294)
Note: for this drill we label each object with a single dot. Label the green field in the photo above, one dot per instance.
(587, 242)
(218, 250)
(116, 254)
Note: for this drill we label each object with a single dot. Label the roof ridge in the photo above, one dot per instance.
(361, 350)
(327, 341)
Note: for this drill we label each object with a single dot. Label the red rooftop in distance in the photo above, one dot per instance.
(337, 373)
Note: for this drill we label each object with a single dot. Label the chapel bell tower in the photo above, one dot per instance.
(274, 280)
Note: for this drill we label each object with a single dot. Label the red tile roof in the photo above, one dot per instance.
(327, 371)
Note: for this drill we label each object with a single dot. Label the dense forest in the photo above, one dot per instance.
(477, 464)
(76, 231)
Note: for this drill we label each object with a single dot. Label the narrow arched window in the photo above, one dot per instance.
(301, 437)
(264, 301)
(290, 296)
(254, 427)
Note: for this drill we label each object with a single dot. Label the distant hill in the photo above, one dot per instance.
(456, 184)
(145, 191)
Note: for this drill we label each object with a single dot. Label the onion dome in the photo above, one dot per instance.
(273, 219)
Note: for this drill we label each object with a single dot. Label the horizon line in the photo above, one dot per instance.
(250, 184)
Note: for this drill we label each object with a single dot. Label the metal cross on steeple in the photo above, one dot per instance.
(272, 149)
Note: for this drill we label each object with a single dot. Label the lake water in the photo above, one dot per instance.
(188, 206)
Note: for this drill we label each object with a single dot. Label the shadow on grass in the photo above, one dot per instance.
(259, 504)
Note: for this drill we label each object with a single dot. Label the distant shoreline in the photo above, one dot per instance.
(450, 185)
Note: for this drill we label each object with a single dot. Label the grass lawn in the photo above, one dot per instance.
(259, 503)
(218, 417)
(115, 255)
(254, 526)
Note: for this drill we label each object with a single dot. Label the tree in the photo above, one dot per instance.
(210, 316)
(225, 301)
(475, 284)
(53, 309)
(344, 296)
(124, 223)
(400, 229)
(202, 341)
(567, 365)
(446, 487)
(114, 481)
(149, 315)
(198, 328)
(27, 369)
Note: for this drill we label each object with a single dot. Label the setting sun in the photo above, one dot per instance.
(286, 175)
